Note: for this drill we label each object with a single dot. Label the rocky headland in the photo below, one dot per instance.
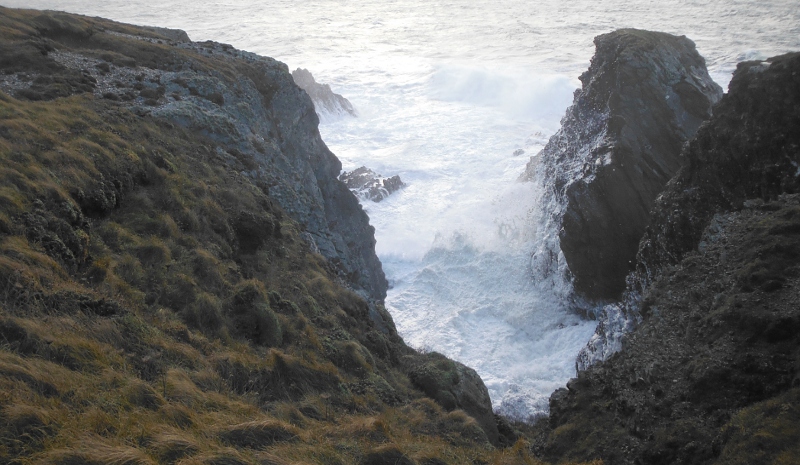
(263, 124)
(711, 373)
(184, 278)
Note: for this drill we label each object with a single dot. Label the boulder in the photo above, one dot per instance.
(643, 96)
(454, 386)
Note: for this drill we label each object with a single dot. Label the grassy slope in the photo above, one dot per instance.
(142, 320)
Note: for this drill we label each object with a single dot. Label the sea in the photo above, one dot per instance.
(455, 97)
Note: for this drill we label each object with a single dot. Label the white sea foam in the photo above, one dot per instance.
(519, 93)
(446, 93)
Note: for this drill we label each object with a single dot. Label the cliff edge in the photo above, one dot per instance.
(247, 103)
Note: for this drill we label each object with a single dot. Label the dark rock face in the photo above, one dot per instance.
(325, 100)
(643, 96)
(752, 150)
(719, 343)
(368, 185)
(277, 129)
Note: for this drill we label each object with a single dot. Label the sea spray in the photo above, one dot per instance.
(455, 148)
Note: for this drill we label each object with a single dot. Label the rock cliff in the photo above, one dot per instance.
(246, 102)
(643, 96)
(712, 372)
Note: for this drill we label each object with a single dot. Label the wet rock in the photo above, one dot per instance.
(643, 96)
(325, 100)
(368, 185)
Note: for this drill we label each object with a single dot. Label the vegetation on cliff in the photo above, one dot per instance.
(166, 296)
(158, 305)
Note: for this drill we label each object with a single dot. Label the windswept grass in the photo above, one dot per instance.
(158, 307)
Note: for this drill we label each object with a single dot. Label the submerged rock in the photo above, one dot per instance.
(325, 100)
(368, 185)
(643, 96)
(716, 352)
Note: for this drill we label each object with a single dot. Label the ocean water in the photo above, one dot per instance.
(446, 93)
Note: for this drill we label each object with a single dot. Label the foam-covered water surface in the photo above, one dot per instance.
(446, 93)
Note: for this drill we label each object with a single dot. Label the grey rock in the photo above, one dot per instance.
(740, 159)
(368, 185)
(325, 100)
(473, 397)
(643, 96)
(719, 284)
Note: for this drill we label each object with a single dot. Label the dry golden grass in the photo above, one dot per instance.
(136, 329)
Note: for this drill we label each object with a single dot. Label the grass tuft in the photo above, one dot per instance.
(259, 434)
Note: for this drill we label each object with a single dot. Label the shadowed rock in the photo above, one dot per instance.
(643, 96)
(701, 379)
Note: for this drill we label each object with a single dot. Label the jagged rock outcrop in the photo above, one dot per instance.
(325, 100)
(712, 372)
(245, 103)
(752, 150)
(369, 185)
(643, 96)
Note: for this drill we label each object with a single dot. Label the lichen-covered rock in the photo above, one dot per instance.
(326, 101)
(369, 185)
(643, 96)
